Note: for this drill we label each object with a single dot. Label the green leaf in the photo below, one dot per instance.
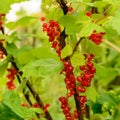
(77, 60)
(44, 52)
(89, 28)
(100, 4)
(9, 38)
(112, 1)
(12, 49)
(5, 5)
(90, 47)
(41, 68)
(115, 22)
(107, 97)
(7, 114)
(94, 94)
(22, 22)
(3, 65)
(54, 13)
(24, 57)
(69, 22)
(97, 108)
(12, 100)
(74, 1)
(100, 70)
(66, 51)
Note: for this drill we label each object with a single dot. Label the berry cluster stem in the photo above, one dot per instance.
(77, 103)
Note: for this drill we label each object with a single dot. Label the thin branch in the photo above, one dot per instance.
(103, 16)
(37, 98)
(78, 106)
(112, 45)
(76, 46)
(63, 5)
(87, 112)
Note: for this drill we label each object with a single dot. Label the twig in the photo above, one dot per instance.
(112, 45)
(77, 44)
(37, 98)
(78, 106)
(63, 5)
(87, 112)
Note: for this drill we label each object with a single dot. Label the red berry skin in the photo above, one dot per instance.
(82, 67)
(70, 9)
(36, 105)
(87, 77)
(51, 23)
(11, 86)
(54, 44)
(88, 13)
(79, 79)
(66, 64)
(42, 18)
(81, 89)
(70, 68)
(76, 114)
(23, 104)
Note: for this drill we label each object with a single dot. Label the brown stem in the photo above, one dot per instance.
(39, 101)
(78, 106)
(87, 112)
(3, 49)
(94, 9)
(76, 46)
(2, 30)
(28, 98)
(34, 39)
(63, 5)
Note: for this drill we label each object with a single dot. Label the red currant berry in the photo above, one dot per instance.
(79, 79)
(70, 9)
(88, 13)
(42, 18)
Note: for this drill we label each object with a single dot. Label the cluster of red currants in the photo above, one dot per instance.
(36, 105)
(80, 82)
(88, 71)
(96, 37)
(11, 76)
(82, 99)
(66, 109)
(84, 79)
(69, 78)
(52, 29)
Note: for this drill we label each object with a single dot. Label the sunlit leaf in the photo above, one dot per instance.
(42, 67)
(22, 22)
(115, 22)
(66, 51)
(12, 101)
(77, 60)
